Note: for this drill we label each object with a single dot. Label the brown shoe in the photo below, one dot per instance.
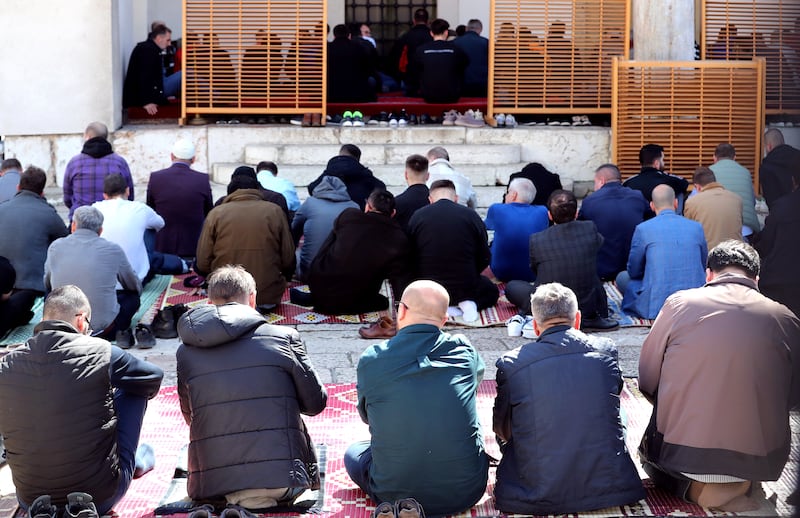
(383, 328)
(306, 120)
(316, 119)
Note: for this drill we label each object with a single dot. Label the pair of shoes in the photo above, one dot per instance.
(165, 323)
(202, 511)
(449, 118)
(581, 120)
(144, 336)
(468, 120)
(80, 505)
(42, 508)
(383, 119)
(527, 329)
(515, 324)
(599, 323)
(124, 339)
(383, 328)
(352, 118)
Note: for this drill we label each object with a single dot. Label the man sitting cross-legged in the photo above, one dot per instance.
(243, 385)
(417, 392)
(71, 410)
(562, 389)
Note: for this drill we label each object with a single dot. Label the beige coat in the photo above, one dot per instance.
(723, 364)
(719, 211)
(249, 231)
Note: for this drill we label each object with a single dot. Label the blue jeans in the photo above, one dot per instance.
(172, 84)
(160, 263)
(357, 461)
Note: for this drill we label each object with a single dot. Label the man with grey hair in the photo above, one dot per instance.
(249, 444)
(97, 267)
(83, 178)
(513, 223)
(476, 47)
(548, 478)
(71, 411)
(439, 168)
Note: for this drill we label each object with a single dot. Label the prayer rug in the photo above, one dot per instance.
(335, 429)
(615, 309)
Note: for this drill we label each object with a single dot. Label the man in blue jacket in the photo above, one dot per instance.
(563, 444)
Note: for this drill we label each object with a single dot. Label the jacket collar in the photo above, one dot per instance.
(734, 278)
(553, 330)
(54, 325)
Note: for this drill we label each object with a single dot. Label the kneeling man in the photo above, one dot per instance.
(722, 367)
(563, 444)
(417, 392)
(243, 385)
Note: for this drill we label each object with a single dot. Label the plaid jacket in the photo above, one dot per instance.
(83, 178)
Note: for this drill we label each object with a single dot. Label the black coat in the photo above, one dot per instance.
(359, 179)
(544, 181)
(407, 203)
(779, 247)
(349, 70)
(776, 172)
(144, 82)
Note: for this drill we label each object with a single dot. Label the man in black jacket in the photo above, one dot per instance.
(146, 84)
(349, 69)
(440, 65)
(403, 54)
(71, 410)
(358, 178)
(779, 164)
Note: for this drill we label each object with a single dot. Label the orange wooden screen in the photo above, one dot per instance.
(254, 56)
(554, 56)
(743, 29)
(687, 107)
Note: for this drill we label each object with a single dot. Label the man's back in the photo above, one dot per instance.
(125, 223)
(513, 223)
(779, 249)
(719, 211)
(441, 169)
(84, 175)
(8, 185)
(476, 75)
(247, 434)
(441, 68)
(776, 172)
(649, 177)
(409, 201)
(358, 178)
(350, 69)
(737, 179)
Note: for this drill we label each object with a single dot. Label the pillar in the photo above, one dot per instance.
(663, 30)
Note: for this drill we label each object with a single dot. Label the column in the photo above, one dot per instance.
(663, 30)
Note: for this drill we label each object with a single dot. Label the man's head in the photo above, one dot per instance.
(663, 198)
(732, 256)
(772, 139)
(423, 302)
(341, 31)
(68, 304)
(520, 190)
(10, 164)
(416, 169)
(652, 155)
(421, 16)
(243, 177)
(438, 152)
(606, 173)
(442, 190)
(183, 151)
(114, 186)
(475, 25)
(562, 206)
(703, 176)
(266, 165)
(161, 36)
(439, 28)
(32, 179)
(89, 218)
(382, 202)
(95, 130)
(350, 150)
(554, 305)
(232, 283)
(723, 151)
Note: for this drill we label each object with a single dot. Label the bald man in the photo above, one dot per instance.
(417, 392)
(775, 173)
(668, 253)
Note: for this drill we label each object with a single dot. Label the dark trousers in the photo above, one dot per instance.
(357, 461)
(160, 263)
(486, 293)
(128, 301)
(519, 293)
(16, 311)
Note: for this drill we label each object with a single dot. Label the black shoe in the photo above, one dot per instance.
(124, 339)
(599, 323)
(79, 505)
(144, 336)
(383, 510)
(408, 508)
(42, 508)
(300, 297)
(202, 511)
(165, 323)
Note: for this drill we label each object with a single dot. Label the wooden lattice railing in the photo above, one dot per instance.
(254, 56)
(687, 107)
(741, 30)
(554, 56)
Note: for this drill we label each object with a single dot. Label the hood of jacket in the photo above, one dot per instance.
(331, 188)
(97, 147)
(211, 326)
(346, 167)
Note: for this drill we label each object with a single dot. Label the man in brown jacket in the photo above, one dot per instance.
(716, 208)
(722, 367)
(244, 229)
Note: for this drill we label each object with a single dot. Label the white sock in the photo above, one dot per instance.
(454, 311)
(470, 310)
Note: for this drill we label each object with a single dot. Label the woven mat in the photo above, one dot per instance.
(615, 308)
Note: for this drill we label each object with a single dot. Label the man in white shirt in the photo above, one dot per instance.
(440, 169)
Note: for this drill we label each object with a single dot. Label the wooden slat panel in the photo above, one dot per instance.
(554, 56)
(743, 29)
(254, 56)
(689, 108)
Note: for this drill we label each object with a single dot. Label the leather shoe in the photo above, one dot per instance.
(383, 328)
(599, 323)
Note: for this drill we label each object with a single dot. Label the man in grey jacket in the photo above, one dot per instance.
(243, 385)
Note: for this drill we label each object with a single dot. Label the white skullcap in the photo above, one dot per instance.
(183, 149)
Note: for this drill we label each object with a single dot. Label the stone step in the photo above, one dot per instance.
(381, 153)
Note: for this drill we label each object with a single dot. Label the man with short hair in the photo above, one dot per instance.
(351, 67)
(249, 443)
(416, 195)
(566, 253)
(476, 48)
(92, 397)
(404, 52)
(722, 368)
(267, 175)
(10, 169)
(449, 245)
(651, 157)
(775, 173)
(615, 211)
(548, 479)
(146, 83)
(513, 223)
(358, 178)
(27, 214)
(738, 180)
(668, 253)
(417, 391)
(440, 66)
(84, 175)
(182, 196)
(96, 266)
(714, 207)
(440, 168)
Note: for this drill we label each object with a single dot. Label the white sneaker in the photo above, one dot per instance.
(514, 325)
(501, 119)
(511, 122)
(470, 310)
(478, 114)
(527, 328)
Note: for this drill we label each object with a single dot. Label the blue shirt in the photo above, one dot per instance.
(282, 186)
(513, 224)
